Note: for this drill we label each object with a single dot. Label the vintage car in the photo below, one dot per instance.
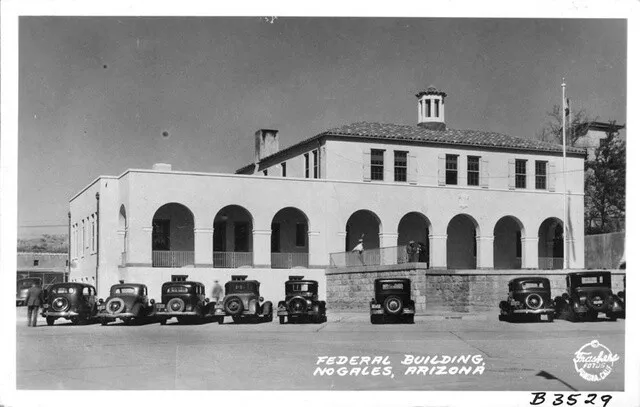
(301, 302)
(392, 301)
(127, 302)
(528, 297)
(73, 301)
(23, 286)
(184, 300)
(588, 294)
(242, 301)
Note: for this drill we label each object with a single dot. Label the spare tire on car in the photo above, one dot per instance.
(233, 306)
(393, 305)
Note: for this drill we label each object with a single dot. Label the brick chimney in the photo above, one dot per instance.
(266, 143)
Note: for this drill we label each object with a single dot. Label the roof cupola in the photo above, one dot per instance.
(431, 109)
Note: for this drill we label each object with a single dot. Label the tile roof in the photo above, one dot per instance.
(473, 138)
(448, 136)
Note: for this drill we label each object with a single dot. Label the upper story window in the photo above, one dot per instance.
(284, 169)
(306, 165)
(315, 163)
(451, 165)
(36, 263)
(473, 170)
(521, 173)
(428, 102)
(400, 166)
(377, 165)
(541, 175)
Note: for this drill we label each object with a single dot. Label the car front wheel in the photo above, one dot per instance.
(50, 321)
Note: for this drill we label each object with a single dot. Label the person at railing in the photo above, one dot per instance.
(217, 293)
(423, 253)
(413, 252)
(359, 248)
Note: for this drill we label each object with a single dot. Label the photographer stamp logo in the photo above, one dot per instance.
(594, 361)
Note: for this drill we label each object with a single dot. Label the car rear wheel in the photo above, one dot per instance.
(163, 321)
(50, 321)
(220, 320)
(376, 319)
(103, 321)
(408, 319)
(282, 319)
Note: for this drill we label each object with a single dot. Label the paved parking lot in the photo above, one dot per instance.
(522, 356)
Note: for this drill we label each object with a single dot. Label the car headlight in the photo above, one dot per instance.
(583, 299)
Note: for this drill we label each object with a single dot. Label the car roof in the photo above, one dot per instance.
(302, 281)
(137, 285)
(589, 273)
(532, 278)
(243, 281)
(71, 284)
(392, 280)
(182, 283)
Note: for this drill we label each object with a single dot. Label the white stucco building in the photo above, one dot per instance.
(474, 199)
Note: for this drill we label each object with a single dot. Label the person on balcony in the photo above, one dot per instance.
(217, 293)
(359, 248)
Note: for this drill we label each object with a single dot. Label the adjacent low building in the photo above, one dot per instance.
(470, 199)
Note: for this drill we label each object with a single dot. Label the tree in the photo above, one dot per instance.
(44, 244)
(552, 130)
(605, 192)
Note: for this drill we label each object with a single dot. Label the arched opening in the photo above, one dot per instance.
(232, 237)
(413, 237)
(507, 243)
(289, 239)
(122, 234)
(172, 238)
(550, 244)
(461, 242)
(363, 225)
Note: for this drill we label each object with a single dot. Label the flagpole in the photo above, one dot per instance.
(564, 179)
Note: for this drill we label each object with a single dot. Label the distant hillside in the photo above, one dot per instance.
(44, 244)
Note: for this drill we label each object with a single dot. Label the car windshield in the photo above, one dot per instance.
(241, 287)
(302, 287)
(125, 290)
(531, 284)
(591, 280)
(393, 286)
(177, 289)
(63, 290)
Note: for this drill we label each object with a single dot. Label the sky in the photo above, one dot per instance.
(99, 95)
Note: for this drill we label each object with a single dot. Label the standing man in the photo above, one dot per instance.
(34, 301)
(359, 248)
(217, 293)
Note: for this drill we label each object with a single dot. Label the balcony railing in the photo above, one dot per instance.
(375, 257)
(289, 260)
(232, 259)
(172, 258)
(551, 263)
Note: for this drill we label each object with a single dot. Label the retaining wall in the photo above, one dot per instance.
(438, 291)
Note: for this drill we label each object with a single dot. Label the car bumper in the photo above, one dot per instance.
(113, 317)
(534, 311)
(176, 314)
(380, 311)
(284, 313)
(60, 314)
